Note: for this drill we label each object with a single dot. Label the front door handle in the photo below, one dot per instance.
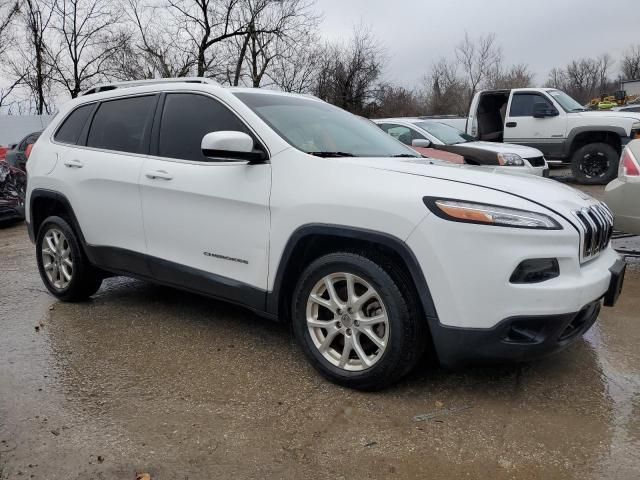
(158, 175)
(73, 163)
(512, 124)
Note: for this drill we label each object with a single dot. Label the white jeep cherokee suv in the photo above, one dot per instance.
(305, 213)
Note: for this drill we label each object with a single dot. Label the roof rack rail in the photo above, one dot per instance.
(104, 87)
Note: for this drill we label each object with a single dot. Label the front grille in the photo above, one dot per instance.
(596, 228)
(536, 161)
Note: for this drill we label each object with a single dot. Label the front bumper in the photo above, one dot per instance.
(523, 338)
(11, 212)
(514, 339)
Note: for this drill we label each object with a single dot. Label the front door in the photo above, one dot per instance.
(206, 221)
(546, 134)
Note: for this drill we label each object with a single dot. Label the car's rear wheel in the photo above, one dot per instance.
(64, 268)
(354, 323)
(595, 164)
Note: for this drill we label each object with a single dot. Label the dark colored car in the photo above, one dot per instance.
(17, 157)
(13, 185)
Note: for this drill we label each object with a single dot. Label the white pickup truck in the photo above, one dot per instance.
(553, 122)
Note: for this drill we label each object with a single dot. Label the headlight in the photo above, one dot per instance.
(510, 160)
(482, 213)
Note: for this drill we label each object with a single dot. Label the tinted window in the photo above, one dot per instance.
(522, 104)
(187, 118)
(121, 124)
(71, 128)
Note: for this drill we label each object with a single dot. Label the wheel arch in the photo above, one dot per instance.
(309, 242)
(581, 136)
(45, 203)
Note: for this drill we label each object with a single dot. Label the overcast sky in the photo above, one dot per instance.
(540, 33)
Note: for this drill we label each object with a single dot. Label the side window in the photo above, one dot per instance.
(70, 130)
(522, 104)
(405, 134)
(121, 124)
(188, 117)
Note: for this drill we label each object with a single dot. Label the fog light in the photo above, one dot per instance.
(535, 270)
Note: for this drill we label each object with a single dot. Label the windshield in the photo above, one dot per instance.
(321, 129)
(566, 102)
(445, 133)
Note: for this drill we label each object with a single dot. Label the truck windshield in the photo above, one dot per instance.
(566, 102)
(445, 133)
(320, 129)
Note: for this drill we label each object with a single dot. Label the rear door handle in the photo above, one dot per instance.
(512, 124)
(73, 163)
(159, 175)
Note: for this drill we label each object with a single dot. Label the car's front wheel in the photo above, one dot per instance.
(63, 266)
(357, 323)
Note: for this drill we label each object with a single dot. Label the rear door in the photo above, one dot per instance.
(546, 134)
(102, 172)
(206, 220)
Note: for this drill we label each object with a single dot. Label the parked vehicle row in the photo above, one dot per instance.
(306, 214)
(553, 122)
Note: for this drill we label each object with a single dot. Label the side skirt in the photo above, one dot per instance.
(133, 264)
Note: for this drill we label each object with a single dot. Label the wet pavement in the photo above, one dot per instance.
(148, 379)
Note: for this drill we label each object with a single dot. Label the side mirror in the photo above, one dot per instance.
(420, 143)
(13, 146)
(231, 145)
(543, 110)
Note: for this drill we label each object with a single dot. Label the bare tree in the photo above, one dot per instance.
(446, 91)
(297, 70)
(397, 101)
(478, 58)
(516, 76)
(31, 64)
(89, 38)
(275, 31)
(156, 46)
(8, 11)
(210, 23)
(348, 75)
(631, 63)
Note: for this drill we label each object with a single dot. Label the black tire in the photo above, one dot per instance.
(85, 278)
(407, 335)
(595, 164)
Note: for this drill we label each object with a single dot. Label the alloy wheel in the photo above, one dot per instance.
(595, 165)
(347, 321)
(56, 259)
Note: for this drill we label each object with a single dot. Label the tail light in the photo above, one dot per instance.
(27, 152)
(628, 166)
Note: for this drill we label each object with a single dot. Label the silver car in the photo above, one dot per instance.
(623, 194)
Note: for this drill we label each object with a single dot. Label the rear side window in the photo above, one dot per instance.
(71, 128)
(405, 134)
(522, 104)
(186, 118)
(122, 124)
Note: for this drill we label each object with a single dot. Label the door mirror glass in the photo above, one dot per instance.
(542, 110)
(420, 143)
(230, 145)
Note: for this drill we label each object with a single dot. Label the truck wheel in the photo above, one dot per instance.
(63, 266)
(595, 164)
(354, 323)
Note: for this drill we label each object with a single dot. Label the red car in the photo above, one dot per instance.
(3, 153)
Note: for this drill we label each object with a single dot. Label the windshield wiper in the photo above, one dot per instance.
(407, 155)
(331, 154)
(579, 110)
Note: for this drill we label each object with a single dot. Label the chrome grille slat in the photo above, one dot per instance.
(596, 228)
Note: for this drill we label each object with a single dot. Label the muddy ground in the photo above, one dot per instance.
(147, 379)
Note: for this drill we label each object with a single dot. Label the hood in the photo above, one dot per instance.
(608, 114)
(523, 151)
(550, 193)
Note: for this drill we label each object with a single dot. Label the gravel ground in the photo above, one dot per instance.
(147, 379)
